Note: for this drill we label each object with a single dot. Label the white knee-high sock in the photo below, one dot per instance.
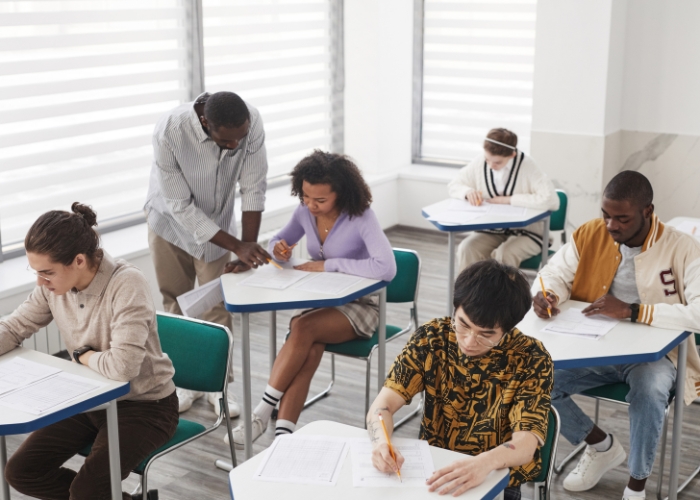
(284, 427)
(267, 404)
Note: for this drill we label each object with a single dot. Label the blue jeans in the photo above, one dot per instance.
(650, 388)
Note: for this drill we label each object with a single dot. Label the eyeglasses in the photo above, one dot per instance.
(38, 275)
(465, 330)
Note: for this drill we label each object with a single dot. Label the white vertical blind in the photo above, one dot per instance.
(477, 74)
(82, 83)
(276, 55)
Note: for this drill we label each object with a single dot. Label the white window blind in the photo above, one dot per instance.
(82, 83)
(275, 54)
(477, 74)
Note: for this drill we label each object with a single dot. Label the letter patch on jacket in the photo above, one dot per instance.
(667, 280)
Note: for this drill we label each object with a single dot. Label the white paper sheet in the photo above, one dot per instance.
(418, 465)
(297, 458)
(690, 227)
(19, 372)
(505, 210)
(46, 394)
(455, 217)
(574, 322)
(328, 283)
(198, 301)
(271, 277)
(454, 205)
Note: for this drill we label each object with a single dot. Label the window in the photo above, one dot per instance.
(475, 73)
(84, 81)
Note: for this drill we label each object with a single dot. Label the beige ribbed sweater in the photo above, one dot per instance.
(114, 315)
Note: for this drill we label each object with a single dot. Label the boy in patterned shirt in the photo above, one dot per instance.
(487, 386)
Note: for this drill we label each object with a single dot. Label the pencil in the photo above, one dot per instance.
(274, 263)
(391, 448)
(693, 231)
(544, 292)
(286, 250)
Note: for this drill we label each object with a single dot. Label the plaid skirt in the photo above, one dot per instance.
(363, 314)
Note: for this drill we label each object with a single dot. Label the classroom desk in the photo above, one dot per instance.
(247, 299)
(243, 487)
(18, 422)
(486, 222)
(626, 343)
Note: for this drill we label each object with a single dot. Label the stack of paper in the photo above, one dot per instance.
(574, 322)
(417, 467)
(198, 301)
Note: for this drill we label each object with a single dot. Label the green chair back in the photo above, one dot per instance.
(404, 285)
(198, 350)
(557, 221)
(548, 450)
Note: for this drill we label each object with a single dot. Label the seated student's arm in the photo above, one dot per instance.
(33, 314)
(385, 404)
(541, 195)
(381, 264)
(464, 182)
(289, 235)
(133, 313)
(558, 276)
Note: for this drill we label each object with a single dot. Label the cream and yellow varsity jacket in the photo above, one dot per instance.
(667, 273)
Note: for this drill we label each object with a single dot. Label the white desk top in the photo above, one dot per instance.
(626, 343)
(488, 221)
(243, 298)
(243, 487)
(19, 422)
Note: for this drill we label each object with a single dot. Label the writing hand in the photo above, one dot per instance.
(381, 458)
(475, 198)
(540, 304)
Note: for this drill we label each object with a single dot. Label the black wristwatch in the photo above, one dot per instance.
(79, 352)
(635, 312)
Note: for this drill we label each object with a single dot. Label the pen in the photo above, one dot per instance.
(544, 292)
(391, 448)
(274, 263)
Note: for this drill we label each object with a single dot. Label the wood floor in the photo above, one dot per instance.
(189, 473)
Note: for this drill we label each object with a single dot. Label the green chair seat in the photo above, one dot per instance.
(361, 348)
(534, 261)
(615, 392)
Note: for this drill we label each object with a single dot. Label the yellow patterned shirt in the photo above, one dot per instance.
(474, 404)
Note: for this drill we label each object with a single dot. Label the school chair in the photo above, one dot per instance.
(548, 453)
(402, 289)
(557, 222)
(616, 393)
(200, 353)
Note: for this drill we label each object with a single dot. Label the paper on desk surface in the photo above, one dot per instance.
(417, 467)
(690, 227)
(461, 211)
(49, 393)
(574, 322)
(304, 459)
(274, 278)
(328, 283)
(19, 372)
(198, 301)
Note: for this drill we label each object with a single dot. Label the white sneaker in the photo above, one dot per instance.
(234, 409)
(593, 465)
(186, 398)
(239, 432)
(637, 496)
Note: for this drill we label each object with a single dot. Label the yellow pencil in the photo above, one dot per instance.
(391, 448)
(274, 263)
(693, 231)
(544, 292)
(286, 250)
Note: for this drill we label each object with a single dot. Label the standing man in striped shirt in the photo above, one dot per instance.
(201, 150)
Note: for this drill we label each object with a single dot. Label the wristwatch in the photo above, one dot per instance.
(635, 312)
(79, 352)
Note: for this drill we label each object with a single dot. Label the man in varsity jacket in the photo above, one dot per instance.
(630, 266)
(503, 175)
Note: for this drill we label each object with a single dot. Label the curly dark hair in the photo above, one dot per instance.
(345, 179)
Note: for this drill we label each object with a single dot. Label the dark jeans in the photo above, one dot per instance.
(35, 469)
(511, 493)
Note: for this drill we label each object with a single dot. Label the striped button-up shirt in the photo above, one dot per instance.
(192, 187)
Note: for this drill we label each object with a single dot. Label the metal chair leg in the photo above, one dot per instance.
(367, 383)
(327, 390)
(418, 410)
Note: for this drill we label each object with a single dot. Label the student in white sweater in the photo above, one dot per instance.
(506, 176)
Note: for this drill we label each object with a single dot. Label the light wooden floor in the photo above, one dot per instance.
(189, 473)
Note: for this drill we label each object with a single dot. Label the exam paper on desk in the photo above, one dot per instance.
(417, 467)
(330, 283)
(574, 322)
(274, 278)
(304, 459)
(690, 227)
(49, 393)
(18, 372)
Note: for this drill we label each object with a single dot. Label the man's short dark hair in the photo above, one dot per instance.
(225, 109)
(631, 186)
(492, 294)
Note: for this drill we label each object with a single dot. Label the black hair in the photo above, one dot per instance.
(63, 235)
(632, 186)
(492, 294)
(345, 179)
(225, 109)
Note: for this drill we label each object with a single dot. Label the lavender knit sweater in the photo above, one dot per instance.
(356, 246)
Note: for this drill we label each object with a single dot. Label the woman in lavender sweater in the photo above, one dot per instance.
(343, 235)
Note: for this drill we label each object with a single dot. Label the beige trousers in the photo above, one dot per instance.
(511, 250)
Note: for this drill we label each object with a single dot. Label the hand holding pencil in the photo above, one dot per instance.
(391, 448)
(282, 251)
(545, 304)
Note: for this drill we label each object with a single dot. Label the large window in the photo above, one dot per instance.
(474, 73)
(84, 81)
